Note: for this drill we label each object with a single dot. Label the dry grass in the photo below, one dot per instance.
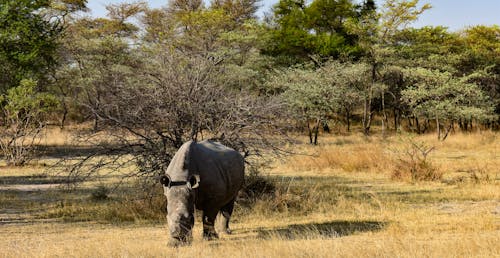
(353, 158)
(418, 234)
(352, 153)
(469, 157)
(339, 202)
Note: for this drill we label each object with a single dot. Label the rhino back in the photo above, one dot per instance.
(221, 172)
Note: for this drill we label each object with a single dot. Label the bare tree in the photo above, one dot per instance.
(172, 98)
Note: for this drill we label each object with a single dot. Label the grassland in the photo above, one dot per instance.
(339, 199)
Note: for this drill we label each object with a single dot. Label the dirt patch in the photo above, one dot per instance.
(21, 202)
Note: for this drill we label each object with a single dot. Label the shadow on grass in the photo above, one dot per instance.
(324, 230)
(34, 180)
(411, 192)
(73, 151)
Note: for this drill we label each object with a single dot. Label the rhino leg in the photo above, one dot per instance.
(226, 212)
(208, 225)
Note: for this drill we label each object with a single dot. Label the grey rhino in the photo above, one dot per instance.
(206, 175)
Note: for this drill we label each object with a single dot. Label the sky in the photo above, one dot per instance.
(454, 14)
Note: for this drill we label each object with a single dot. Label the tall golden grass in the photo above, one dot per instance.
(469, 156)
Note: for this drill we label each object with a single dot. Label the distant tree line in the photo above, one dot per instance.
(154, 78)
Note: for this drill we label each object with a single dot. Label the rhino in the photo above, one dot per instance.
(204, 175)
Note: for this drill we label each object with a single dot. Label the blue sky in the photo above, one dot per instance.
(454, 14)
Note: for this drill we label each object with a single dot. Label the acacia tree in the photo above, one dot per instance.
(472, 53)
(445, 98)
(96, 57)
(307, 93)
(316, 94)
(240, 11)
(481, 60)
(348, 81)
(376, 33)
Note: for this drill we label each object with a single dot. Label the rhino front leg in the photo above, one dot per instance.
(226, 212)
(208, 225)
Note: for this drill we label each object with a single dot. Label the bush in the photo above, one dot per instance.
(413, 164)
(23, 115)
(265, 194)
(256, 187)
(100, 193)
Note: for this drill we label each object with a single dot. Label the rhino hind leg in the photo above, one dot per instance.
(208, 225)
(225, 213)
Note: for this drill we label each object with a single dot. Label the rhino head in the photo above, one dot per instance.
(180, 190)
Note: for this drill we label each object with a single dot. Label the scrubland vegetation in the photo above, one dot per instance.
(337, 199)
(364, 137)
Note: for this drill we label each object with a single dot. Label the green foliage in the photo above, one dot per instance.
(24, 111)
(104, 59)
(299, 30)
(240, 11)
(398, 14)
(203, 30)
(482, 49)
(29, 34)
(24, 102)
(438, 94)
(412, 43)
(349, 81)
(306, 91)
(483, 40)
(318, 93)
(28, 41)
(329, 16)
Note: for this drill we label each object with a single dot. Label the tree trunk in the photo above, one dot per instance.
(309, 132)
(438, 129)
(367, 116)
(396, 117)
(417, 125)
(384, 116)
(367, 112)
(447, 131)
(326, 127)
(316, 131)
(426, 125)
(64, 116)
(348, 118)
(96, 124)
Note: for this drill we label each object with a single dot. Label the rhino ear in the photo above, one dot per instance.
(194, 181)
(165, 180)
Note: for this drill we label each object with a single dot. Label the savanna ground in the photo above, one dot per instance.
(350, 196)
